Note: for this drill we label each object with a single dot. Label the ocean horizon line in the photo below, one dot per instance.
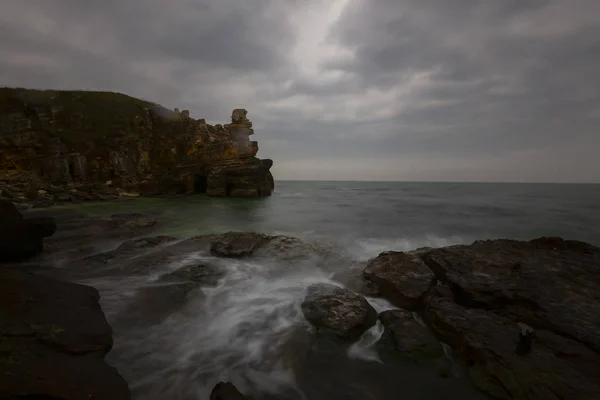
(446, 182)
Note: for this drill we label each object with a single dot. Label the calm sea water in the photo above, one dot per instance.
(369, 217)
(243, 329)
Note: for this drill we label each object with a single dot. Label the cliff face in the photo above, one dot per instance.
(93, 145)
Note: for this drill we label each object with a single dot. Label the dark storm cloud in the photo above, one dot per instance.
(148, 48)
(512, 81)
(381, 89)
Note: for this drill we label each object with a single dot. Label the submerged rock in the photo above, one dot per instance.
(352, 277)
(53, 339)
(170, 292)
(402, 278)
(335, 310)
(226, 391)
(131, 221)
(21, 238)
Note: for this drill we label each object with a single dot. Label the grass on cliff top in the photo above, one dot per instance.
(95, 113)
(13, 99)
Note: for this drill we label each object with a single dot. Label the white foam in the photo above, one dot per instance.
(366, 248)
(237, 331)
(364, 349)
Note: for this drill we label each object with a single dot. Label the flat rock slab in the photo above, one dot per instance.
(53, 339)
(335, 310)
(402, 278)
(547, 283)
(169, 293)
(555, 367)
(252, 244)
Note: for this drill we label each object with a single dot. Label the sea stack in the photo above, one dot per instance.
(81, 145)
(234, 170)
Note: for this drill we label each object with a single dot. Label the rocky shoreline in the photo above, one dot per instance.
(522, 319)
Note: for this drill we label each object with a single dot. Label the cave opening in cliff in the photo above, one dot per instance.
(228, 189)
(71, 170)
(200, 183)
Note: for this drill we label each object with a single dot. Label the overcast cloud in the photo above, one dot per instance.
(485, 90)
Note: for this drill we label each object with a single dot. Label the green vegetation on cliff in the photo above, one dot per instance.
(81, 115)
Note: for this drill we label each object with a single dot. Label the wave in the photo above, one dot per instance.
(366, 248)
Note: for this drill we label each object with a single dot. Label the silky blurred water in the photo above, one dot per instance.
(249, 328)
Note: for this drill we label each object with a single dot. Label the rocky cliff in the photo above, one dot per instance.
(80, 145)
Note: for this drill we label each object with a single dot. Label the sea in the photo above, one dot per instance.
(246, 329)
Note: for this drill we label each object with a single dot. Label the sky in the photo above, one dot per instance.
(404, 90)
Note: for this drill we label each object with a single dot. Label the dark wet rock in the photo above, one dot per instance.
(43, 203)
(323, 371)
(556, 367)
(21, 238)
(546, 283)
(278, 247)
(144, 243)
(523, 316)
(129, 249)
(53, 339)
(285, 248)
(407, 338)
(132, 221)
(226, 391)
(402, 278)
(237, 244)
(196, 274)
(335, 310)
(145, 255)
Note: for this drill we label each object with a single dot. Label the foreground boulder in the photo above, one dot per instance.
(53, 339)
(524, 317)
(21, 238)
(337, 311)
(402, 278)
(237, 244)
(407, 337)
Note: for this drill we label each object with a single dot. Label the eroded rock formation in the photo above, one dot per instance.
(337, 311)
(76, 145)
